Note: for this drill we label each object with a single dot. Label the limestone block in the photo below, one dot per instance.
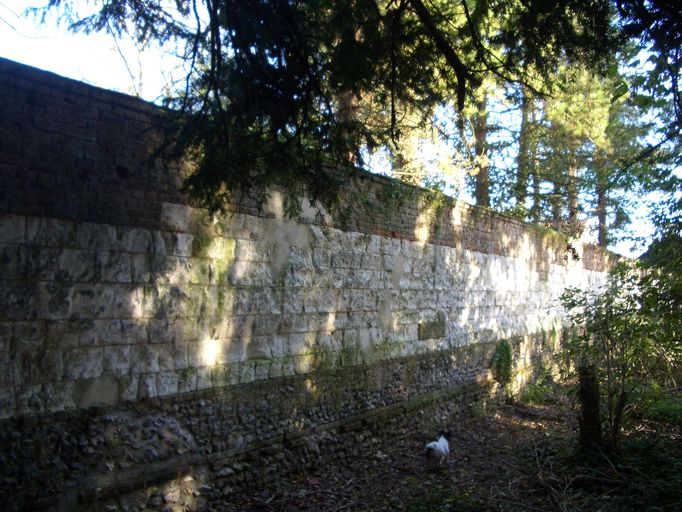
(38, 367)
(6, 336)
(128, 387)
(134, 331)
(12, 228)
(234, 350)
(167, 357)
(29, 400)
(183, 244)
(261, 369)
(90, 301)
(250, 250)
(144, 359)
(71, 265)
(101, 391)
(140, 268)
(29, 335)
(159, 243)
(204, 378)
(54, 300)
(257, 300)
(100, 237)
(162, 330)
(259, 347)
(7, 402)
(146, 386)
(136, 240)
(187, 380)
(321, 258)
(13, 261)
(174, 302)
(179, 352)
(116, 360)
(200, 271)
(61, 233)
(83, 363)
(63, 334)
(303, 364)
(279, 346)
(266, 325)
(114, 267)
(36, 231)
(180, 271)
(176, 217)
(230, 225)
(290, 324)
(166, 383)
(220, 375)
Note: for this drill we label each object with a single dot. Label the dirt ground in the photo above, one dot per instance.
(520, 457)
(483, 464)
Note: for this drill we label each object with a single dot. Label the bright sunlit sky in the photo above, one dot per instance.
(98, 59)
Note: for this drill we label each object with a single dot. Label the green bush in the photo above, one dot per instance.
(502, 362)
(667, 409)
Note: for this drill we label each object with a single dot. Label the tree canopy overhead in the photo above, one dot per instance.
(284, 90)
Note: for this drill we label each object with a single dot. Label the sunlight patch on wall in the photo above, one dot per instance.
(210, 349)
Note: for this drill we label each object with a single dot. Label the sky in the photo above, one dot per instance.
(98, 59)
(95, 59)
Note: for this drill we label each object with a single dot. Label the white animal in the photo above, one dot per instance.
(437, 452)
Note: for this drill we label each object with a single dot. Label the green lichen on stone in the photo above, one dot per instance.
(348, 355)
(432, 328)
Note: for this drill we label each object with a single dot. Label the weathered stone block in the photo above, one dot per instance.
(134, 331)
(116, 360)
(183, 244)
(146, 386)
(136, 240)
(61, 233)
(6, 336)
(100, 333)
(103, 390)
(29, 335)
(260, 347)
(166, 383)
(176, 217)
(114, 267)
(54, 300)
(97, 237)
(12, 228)
(7, 403)
(83, 363)
(72, 265)
(140, 268)
(144, 359)
(128, 386)
(187, 380)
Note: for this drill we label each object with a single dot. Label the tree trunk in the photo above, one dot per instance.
(601, 214)
(572, 190)
(525, 158)
(588, 395)
(618, 420)
(556, 201)
(482, 191)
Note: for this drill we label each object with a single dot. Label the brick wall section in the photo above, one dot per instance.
(72, 151)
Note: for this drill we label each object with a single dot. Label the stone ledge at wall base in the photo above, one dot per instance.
(213, 443)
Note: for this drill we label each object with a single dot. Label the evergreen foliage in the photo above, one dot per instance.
(288, 92)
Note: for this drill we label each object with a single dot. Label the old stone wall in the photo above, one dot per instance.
(138, 333)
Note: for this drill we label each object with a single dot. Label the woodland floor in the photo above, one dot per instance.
(518, 457)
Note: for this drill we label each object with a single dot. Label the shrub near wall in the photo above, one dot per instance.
(197, 339)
